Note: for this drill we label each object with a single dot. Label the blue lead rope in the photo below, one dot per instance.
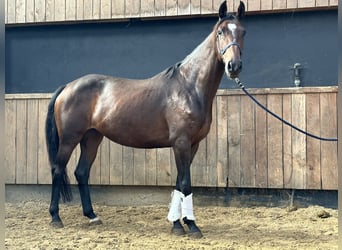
(238, 82)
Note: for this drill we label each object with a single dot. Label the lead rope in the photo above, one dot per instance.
(238, 82)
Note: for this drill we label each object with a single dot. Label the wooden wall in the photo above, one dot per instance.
(245, 145)
(46, 11)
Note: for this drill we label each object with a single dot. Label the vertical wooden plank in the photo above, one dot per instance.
(279, 4)
(50, 10)
(236, 4)
(291, 4)
(139, 167)
(128, 166)
(40, 12)
(266, 5)
(70, 10)
(287, 140)
(59, 10)
(222, 143)
(79, 9)
(106, 9)
(159, 8)
(151, 167)
(118, 8)
(116, 164)
(199, 171)
(95, 171)
(132, 8)
(234, 143)
(88, 9)
(32, 141)
(261, 144)
(11, 11)
(306, 3)
(96, 9)
(207, 6)
(171, 7)
(195, 7)
(212, 148)
(216, 5)
(164, 167)
(313, 146)
(6, 14)
(147, 8)
(274, 142)
(247, 140)
(44, 168)
(29, 11)
(322, 3)
(298, 142)
(20, 11)
(21, 146)
(183, 7)
(105, 162)
(329, 164)
(10, 145)
(333, 2)
(254, 5)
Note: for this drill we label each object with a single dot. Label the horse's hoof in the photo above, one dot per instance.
(95, 221)
(56, 224)
(178, 231)
(195, 235)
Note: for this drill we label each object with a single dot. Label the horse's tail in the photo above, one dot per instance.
(52, 143)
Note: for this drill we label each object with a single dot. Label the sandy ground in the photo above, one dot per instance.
(146, 227)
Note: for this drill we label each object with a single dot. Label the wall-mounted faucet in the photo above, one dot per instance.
(296, 73)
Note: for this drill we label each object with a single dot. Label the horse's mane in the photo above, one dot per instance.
(170, 71)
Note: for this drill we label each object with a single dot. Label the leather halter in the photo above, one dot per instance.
(233, 43)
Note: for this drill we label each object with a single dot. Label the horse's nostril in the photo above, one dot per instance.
(240, 65)
(230, 66)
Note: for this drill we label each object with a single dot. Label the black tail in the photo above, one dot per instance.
(52, 143)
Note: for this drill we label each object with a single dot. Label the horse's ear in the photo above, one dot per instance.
(223, 9)
(241, 11)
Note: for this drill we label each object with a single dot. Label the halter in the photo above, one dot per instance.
(222, 51)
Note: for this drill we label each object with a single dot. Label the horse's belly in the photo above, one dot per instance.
(139, 134)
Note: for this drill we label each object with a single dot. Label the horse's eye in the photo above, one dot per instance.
(219, 32)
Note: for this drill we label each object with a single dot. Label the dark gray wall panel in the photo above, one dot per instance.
(40, 58)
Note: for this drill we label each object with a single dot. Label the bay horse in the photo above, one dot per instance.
(170, 109)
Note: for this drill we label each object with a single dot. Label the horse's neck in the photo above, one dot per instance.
(203, 69)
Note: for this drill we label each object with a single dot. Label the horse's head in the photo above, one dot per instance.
(229, 39)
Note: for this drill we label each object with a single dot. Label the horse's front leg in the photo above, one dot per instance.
(182, 203)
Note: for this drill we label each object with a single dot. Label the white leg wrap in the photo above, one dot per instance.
(175, 206)
(187, 207)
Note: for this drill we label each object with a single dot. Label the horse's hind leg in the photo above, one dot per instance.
(89, 145)
(60, 183)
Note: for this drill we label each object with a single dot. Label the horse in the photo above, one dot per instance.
(171, 109)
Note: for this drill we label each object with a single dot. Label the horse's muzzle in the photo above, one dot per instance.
(233, 68)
